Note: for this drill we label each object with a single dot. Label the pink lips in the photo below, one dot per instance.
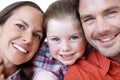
(20, 48)
(67, 57)
(108, 41)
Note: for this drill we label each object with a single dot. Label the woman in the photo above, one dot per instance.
(21, 33)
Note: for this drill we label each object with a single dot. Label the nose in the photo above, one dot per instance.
(103, 26)
(27, 38)
(65, 47)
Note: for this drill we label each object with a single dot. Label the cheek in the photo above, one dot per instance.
(89, 29)
(6, 37)
(117, 24)
(53, 48)
(114, 21)
(81, 46)
(35, 46)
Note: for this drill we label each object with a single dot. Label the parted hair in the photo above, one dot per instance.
(59, 10)
(26, 71)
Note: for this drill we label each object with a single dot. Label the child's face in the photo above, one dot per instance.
(66, 40)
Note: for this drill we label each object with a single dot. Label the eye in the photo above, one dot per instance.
(88, 20)
(74, 38)
(20, 26)
(112, 13)
(37, 36)
(56, 40)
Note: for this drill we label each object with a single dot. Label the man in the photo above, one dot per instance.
(101, 24)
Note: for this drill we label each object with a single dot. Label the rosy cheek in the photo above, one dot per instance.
(81, 45)
(53, 48)
(78, 47)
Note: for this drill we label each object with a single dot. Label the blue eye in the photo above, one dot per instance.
(74, 38)
(20, 26)
(56, 40)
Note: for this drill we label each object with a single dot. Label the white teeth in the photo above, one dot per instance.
(107, 39)
(20, 48)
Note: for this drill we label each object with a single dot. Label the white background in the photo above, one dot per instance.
(42, 3)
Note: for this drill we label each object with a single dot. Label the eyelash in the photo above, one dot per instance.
(55, 39)
(37, 36)
(20, 26)
(74, 38)
(88, 20)
(111, 13)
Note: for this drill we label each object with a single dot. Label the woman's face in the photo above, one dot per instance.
(20, 36)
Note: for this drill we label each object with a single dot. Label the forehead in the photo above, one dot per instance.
(63, 24)
(66, 21)
(27, 10)
(29, 14)
(89, 6)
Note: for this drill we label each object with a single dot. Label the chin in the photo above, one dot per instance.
(69, 63)
(109, 54)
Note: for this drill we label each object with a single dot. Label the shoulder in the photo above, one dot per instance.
(92, 60)
(41, 74)
(88, 68)
(85, 65)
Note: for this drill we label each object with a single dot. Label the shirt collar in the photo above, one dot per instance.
(105, 64)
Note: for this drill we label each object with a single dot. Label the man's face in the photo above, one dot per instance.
(101, 23)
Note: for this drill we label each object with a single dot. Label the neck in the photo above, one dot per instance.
(116, 58)
(9, 69)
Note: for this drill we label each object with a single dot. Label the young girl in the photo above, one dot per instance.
(65, 38)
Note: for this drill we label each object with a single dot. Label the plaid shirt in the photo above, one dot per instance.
(44, 60)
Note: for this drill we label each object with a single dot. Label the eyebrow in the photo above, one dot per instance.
(41, 31)
(24, 22)
(81, 32)
(111, 8)
(85, 16)
(105, 10)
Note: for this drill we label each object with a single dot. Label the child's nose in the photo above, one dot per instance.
(65, 47)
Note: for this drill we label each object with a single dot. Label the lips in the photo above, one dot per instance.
(67, 57)
(20, 48)
(107, 38)
(108, 41)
